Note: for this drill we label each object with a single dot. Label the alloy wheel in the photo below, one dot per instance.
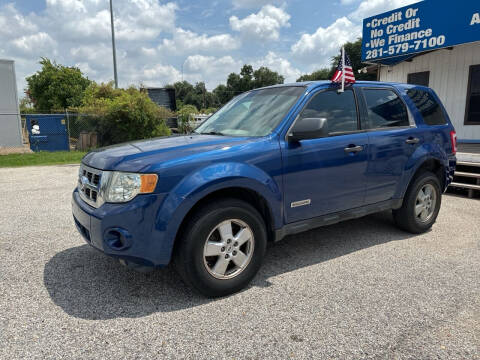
(425, 203)
(228, 249)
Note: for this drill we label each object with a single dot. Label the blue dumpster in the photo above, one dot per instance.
(47, 132)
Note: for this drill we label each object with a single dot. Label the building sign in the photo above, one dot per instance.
(424, 26)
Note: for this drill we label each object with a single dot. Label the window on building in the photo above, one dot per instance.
(419, 78)
(428, 106)
(472, 110)
(385, 109)
(338, 108)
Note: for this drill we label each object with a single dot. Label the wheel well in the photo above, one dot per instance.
(247, 195)
(435, 167)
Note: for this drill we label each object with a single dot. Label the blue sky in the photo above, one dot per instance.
(157, 38)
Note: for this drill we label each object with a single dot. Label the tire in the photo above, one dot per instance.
(419, 211)
(206, 244)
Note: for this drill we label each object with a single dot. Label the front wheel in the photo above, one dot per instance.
(222, 247)
(421, 204)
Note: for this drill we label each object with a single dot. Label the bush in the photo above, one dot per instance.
(208, 111)
(120, 115)
(185, 118)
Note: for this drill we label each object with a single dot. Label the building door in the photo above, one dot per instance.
(472, 111)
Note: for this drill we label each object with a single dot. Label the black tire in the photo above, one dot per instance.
(189, 252)
(405, 217)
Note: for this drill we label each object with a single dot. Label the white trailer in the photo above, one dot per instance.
(10, 123)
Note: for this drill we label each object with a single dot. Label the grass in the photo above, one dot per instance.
(41, 158)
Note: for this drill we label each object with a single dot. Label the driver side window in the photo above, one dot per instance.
(338, 108)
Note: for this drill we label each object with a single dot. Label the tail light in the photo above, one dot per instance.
(453, 139)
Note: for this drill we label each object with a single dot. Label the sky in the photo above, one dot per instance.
(162, 41)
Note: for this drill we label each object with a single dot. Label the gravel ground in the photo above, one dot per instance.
(360, 289)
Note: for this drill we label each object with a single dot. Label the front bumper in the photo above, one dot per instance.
(125, 231)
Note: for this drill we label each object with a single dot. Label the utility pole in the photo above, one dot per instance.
(113, 47)
(183, 64)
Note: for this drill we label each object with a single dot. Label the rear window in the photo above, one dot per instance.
(385, 109)
(427, 105)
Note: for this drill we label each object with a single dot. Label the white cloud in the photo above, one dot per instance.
(158, 75)
(12, 23)
(146, 51)
(145, 19)
(210, 69)
(325, 42)
(151, 46)
(35, 44)
(248, 4)
(347, 2)
(82, 21)
(98, 56)
(264, 25)
(318, 47)
(369, 8)
(280, 65)
(187, 41)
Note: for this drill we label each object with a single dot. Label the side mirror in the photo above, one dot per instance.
(309, 128)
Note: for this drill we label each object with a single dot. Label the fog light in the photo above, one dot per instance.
(117, 239)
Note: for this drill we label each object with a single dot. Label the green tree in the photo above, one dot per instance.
(354, 51)
(120, 115)
(221, 94)
(185, 118)
(198, 95)
(322, 74)
(26, 106)
(182, 89)
(56, 87)
(266, 77)
(249, 79)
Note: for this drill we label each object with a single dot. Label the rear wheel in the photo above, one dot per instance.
(421, 204)
(222, 247)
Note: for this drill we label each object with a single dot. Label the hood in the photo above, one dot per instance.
(139, 155)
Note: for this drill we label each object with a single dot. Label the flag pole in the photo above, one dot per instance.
(343, 69)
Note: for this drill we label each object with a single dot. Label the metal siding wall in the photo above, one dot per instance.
(449, 71)
(10, 128)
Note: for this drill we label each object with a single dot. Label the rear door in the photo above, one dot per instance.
(326, 175)
(393, 138)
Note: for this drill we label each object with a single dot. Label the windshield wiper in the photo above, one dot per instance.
(212, 133)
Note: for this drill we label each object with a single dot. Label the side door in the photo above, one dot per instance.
(326, 174)
(393, 137)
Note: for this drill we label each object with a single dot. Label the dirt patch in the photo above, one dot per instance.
(15, 150)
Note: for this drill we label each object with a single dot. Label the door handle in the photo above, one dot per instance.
(353, 149)
(412, 140)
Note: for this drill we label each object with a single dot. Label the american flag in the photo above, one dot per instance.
(349, 76)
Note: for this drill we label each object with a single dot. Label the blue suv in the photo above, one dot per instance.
(272, 162)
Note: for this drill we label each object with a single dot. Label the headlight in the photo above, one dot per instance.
(123, 187)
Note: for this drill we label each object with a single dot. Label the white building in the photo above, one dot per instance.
(10, 124)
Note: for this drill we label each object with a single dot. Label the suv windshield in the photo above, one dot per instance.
(255, 113)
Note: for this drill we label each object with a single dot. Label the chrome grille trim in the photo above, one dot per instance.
(91, 183)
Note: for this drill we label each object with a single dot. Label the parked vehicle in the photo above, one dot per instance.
(272, 162)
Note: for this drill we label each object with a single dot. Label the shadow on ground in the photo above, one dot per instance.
(89, 285)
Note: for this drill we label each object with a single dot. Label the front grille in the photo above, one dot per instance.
(89, 182)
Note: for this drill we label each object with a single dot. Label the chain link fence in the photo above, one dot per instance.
(67, 131)
(76, 131)
(57, 132)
